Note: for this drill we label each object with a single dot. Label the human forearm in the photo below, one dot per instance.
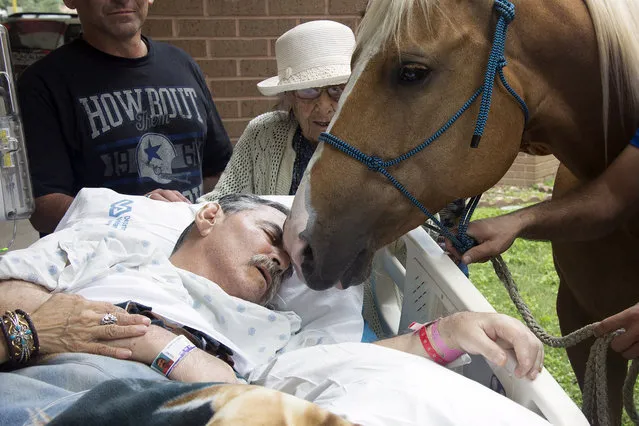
(49, 210)
(412, 342)
(586, 213)
(477, 333)
(590, 211)
(199, 366)
(408, 343)
(17, 294)
(196, 366)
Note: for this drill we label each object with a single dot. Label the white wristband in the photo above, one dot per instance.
(172, 353)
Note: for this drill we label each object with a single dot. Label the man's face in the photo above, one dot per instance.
(120, 19)
(248, 252)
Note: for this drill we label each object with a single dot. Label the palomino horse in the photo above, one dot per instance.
(570, 87)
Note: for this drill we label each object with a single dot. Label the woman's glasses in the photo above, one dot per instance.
(335, 92)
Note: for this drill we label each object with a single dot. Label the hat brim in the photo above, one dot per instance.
(271, 86)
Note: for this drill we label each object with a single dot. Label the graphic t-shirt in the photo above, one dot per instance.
(132, 125)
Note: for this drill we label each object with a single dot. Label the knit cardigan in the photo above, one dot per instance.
(262, 160)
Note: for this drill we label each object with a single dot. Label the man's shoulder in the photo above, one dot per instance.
(164, 49)
(64, 57)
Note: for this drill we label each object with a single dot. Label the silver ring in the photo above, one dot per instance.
(108, 319)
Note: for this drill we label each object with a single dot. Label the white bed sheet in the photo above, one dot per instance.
(373, 385)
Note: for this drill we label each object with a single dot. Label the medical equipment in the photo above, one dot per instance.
(16, 197)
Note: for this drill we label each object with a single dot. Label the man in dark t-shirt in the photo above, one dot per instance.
(115, 109)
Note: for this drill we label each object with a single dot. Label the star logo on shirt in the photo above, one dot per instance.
(152, 152)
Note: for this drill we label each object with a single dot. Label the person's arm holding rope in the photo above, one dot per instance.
(589, 212)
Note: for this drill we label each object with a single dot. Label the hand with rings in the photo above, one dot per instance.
(167, 195)
(71, 323)
(109, 318)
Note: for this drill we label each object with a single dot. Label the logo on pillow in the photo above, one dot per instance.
(120, 207)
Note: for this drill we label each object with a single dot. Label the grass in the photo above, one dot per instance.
(531, 265)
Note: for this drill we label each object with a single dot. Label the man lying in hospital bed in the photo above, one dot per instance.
(370, 384)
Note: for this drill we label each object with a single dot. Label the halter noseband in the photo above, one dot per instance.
(496, 64)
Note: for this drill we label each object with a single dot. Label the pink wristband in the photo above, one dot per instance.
(420, 329)
(447, 353)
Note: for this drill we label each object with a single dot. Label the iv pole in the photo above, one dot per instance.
(16, 196)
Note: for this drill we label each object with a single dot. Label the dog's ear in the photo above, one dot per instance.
(249, 405)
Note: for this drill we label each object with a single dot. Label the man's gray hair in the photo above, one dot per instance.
(234, 203)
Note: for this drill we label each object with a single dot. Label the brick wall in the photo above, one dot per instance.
(530, 169)
(234, 43)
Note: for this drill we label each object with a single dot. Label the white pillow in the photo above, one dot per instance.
(330, 316)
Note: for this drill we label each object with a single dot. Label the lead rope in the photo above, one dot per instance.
(595, 394)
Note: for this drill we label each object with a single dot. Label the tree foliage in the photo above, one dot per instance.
(33, 5)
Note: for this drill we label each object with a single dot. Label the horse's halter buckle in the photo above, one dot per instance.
(496, 64)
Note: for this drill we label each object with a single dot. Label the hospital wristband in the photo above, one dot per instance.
(441, 347)
(171, 355)
(422, 330)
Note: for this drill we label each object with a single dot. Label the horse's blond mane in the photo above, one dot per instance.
(617, 28)
(384, 20)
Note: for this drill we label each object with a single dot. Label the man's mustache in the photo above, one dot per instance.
(275, 271)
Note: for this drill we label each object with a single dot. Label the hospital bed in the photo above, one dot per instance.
(414, 280)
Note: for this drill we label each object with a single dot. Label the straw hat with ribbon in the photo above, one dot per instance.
(313, 54)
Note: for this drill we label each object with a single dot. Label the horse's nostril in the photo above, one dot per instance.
(308, 261)
(308, 252)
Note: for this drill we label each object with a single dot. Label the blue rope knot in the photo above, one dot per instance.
(506, 9)
(374, 163)
(501, 63)
(466, 242)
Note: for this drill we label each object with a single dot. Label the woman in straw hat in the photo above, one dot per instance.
(313, 62)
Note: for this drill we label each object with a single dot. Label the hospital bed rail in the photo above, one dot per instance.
(428, 285)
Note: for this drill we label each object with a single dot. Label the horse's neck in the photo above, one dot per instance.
(559, 71)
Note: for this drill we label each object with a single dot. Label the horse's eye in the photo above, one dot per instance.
(413, 73)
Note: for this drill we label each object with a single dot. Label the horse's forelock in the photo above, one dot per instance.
(385, 19)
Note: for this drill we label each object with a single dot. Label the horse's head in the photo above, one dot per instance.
(416, 64)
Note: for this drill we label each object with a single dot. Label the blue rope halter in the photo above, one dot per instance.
(496, 64)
